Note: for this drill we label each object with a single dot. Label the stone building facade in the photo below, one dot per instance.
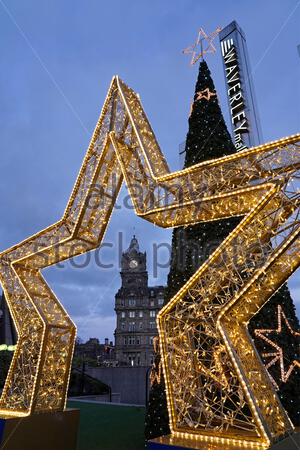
(136, 306)
(94, 352)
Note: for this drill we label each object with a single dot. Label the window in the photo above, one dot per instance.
(152, 293)
(125, 340)
(141, 314)
(131, 302)
(151, 360)
(131, 314)
(152, 325)
(160, 301)
(132, 326)
(141, 325)
(131, 360)
(123, 314)
(123, 326)
(152, 313)
(152, 303)
(151, 339)
(131, 340)
(138, 340)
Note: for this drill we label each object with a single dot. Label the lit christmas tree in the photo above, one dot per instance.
(157, 419)
(209, 138)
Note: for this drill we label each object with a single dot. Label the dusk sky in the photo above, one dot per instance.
(57, 59)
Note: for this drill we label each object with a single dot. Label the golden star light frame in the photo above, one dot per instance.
(218, 390)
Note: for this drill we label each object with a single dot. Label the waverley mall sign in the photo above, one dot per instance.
(236, 98)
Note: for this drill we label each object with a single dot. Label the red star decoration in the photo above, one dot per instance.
(278, 355)
(196, 55)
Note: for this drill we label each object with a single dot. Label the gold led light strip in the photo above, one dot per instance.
(217, 389)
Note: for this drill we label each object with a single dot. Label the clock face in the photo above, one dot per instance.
(133, 263)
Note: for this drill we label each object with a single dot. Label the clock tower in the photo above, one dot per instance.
(136, 306)
(133, 266)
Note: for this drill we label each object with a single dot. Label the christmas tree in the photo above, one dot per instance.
(157, 419)
(209, 138)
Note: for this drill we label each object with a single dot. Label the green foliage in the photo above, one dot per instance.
(207, 136)
(157, 419)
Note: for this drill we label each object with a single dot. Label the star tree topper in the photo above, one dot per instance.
(202, 36)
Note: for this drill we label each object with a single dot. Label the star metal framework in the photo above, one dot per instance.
(218, 391)
(202, 36)
(277, 356)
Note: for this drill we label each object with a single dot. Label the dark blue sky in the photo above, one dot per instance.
(57, 59)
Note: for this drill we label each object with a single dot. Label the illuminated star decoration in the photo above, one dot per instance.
(278, 355)
(206, 94)
(202, 36)
(216, 385)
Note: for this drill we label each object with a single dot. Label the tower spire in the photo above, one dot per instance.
(134, 245)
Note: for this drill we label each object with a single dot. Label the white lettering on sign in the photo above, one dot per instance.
(235, 94)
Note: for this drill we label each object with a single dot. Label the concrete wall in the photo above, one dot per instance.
(128, 382)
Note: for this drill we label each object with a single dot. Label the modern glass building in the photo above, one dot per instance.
(245, 124)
